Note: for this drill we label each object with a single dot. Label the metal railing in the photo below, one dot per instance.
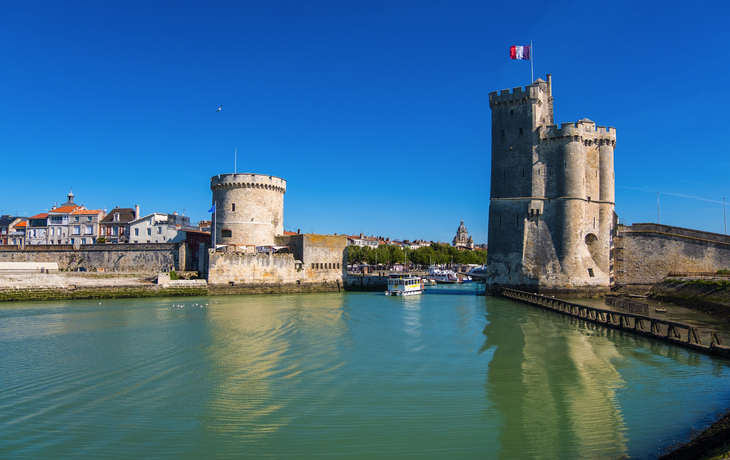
(673, 332)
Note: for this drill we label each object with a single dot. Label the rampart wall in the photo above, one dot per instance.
(151, 258)
(646, 253)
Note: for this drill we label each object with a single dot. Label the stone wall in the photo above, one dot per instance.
(314, 260)
(646, 253)
(108, 257)
(323, 257)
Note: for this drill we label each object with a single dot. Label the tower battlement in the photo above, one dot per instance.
(581, 130)
(248, 180)
(537, 91)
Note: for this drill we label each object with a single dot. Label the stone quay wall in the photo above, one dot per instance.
(644, 254)
(153, 257)
(366, 283)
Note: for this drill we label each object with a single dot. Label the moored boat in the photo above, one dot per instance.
(443, 276)
(404, 285)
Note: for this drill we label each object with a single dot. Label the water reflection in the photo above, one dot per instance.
(555, 389)
(272, 362)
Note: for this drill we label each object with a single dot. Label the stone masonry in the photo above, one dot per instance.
(551, 210)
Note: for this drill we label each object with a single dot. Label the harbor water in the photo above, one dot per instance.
(340, 375)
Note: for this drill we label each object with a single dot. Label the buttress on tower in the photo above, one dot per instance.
(551, 208)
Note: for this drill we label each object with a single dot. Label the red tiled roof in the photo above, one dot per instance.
(286, 232)
(39, 216)
(65, 209)
(22, 224)
(87, 211)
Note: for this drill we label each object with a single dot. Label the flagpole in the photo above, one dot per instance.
(532, 56)
(215, 205)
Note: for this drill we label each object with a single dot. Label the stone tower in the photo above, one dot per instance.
(249, 208)
(551, 208)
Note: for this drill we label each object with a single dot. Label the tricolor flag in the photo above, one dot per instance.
(519, 52)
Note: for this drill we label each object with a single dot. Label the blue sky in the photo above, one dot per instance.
(376, 113)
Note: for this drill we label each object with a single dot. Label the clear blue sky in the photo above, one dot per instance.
(375, 112)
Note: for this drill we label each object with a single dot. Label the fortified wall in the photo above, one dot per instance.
(249, 214)
(316, 263)
(646, 253)
(151, 258)
(551, 209)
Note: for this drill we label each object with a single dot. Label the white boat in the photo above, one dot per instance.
(429, 282)
(403, 284)
(443, 276)
(465, 278)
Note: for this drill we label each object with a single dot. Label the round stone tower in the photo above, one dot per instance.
(249, 208)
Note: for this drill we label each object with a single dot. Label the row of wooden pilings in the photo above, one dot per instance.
(668, 331)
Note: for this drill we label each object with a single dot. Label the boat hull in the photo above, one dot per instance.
(404, 293)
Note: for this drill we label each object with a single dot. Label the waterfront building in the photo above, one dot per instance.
(6, 225)
(83, 226)
(159, 228)
(115, 225)
(37, 230)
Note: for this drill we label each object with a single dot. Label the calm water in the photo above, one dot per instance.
(351, 375)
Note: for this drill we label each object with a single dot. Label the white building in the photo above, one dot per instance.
(159, 228)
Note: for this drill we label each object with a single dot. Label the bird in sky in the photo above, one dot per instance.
(219, 109)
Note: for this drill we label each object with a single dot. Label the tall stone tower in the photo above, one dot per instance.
(249, 208)
(551, 208)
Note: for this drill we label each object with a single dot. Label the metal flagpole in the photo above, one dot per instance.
(215, 211)
(532, 55)
(658, 220)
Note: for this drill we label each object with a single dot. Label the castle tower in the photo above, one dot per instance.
(552, 196)
(249, 208)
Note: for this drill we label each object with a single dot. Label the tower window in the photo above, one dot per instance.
(233, 206)
(502, 134)
(512, 113)
(590, 273)
(521, 132)
(225, 233)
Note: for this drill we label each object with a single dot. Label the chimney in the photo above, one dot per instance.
(361, 235)
(136, 211)
(299, 230)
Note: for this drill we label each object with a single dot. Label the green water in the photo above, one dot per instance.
(350, 375)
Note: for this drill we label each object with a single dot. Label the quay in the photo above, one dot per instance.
(673, 332)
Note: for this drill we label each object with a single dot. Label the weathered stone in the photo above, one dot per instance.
(551, 211)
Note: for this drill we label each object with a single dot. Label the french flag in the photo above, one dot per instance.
(519, 52)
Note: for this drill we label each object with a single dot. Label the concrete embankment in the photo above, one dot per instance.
(373, 283)
(708, 296)
(73, 285)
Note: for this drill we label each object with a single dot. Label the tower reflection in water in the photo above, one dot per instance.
(553, 387)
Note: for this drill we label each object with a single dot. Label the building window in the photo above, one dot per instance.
(512, 113)
(590, 273)
(77, 218)
(77, 230)
(233, 206)
(115, 231)
(116, 217)
(88, 219)
(83, 240)
(136, 232)
(225, 233)
(521, 132)
(89, 229)
(149, 232)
